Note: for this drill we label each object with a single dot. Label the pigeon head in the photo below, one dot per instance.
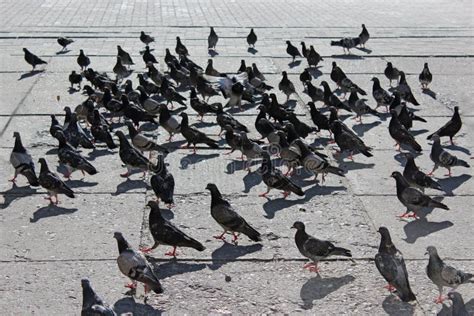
(16, 135)
(431, 250)
(120, 134)
(119, 47)
(375, 79)
(311, 104)
(212, 28)
(118, 235)
(85, 282)
(81, 52)
(211, 187)
(426, 65)
(298, 226)
(178, 39)
(396, 175)
(389, 64)
(209, 61)
(435, 138)
(153, 205)
(42, 161)
(334, 65)
(284, 74)
(142, 33)
(363, 26)
(288, 42)
(456, 109)
(393, 113)
(324, 84)
(25, 50)
(455, 296)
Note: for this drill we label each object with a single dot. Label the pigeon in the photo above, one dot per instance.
(32, 59)
(451, 128)
(134, 265)
(193, 135)
(169, 93)
(337, 74)
(243, 66)
(162, 182)
(443, 275)
(180, 49)
(142, 142)
(202, 107)
(319, 119)
(165, 233)
(69, 157)
(212, 39)
(301, 128)
(347, 43)
(292, 50)
(331, 100)
(75, 135)
(146, 39)
(412, 198)
(274, 179)
(347, 140)
(211, 71)
(275, 110)
(406, 117)
(425, 77)
(391, 73)
(64, 42)
(381, 96)
(251, 38)
(305, 76)
(124, 56)
(82, 60)
(389, 261)
(92, 304)
(224, 118)
(148, 57)
(442, 158)
(405, 91)
(360, 107)
(135, 113)
(286, 86)
(75, 78)
(168, 121)
(100, 131)
(347, 85)
(225, 215)
(170, 58)
(364, 36)
(22, 162)
(52, 183)
(179, 74)
(304, 50)
(257, 72)
(120, 70)
(458, 306)
(314, 93)
(417, 178)
(250, 149)
(233, 139)
(315, 249)
(400, 134)
(131, 156)
(313, 57)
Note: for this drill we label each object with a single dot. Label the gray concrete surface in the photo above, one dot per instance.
(46, 250)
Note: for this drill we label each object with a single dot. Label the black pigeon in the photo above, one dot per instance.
(292, 50)
(406, 117)
(233, 139)
(305, 76)
(389, 261)
(224, 118)
(32, 59)
(134, 265)
(251, 38)
(257, 72)
(52, 183)
(101, 131)
(75, 135)
(82, 60)
(458, 306)
(425, 77)
(22, 162)
(148, 57)
(124, 56)
(193, 135)
(381, 96)
(319, 119)
(131, 156)
(92, 304)
(225, 215)
(250, 149)
(146, 39)
(315, 249)
(143, 143)
(417, 178)
(274, 179)
(168, 121)
(314, 93)
(302, 129)
(304, 50)
(75, 78)
(391, 73)
(55, 126)
(162, 182)
(180, 49)
(400, 134)
(243, 66)
(64, 42)
(337, 74)
(211, 71)
(364, 36)
(212, 39)
(412, 198)
(331, 100)
(120, 70)
(347, 43)
(135, 113)
(165, 233)
(69, 157)
(170, 58)
(451, 128)
(286, 85)
(360, 107)
(347, 140)
(202, 107)
(443, 275)
(313, 57)
(405, 91)
(347, 85)
(442, 158)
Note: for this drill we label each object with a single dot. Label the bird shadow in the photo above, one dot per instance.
(175, 145)
(49, 211)
(30, 74)
(315, 72)
(251, 179)
(452, 183)
(16, 192)
(72, 90)
(201, 124)
(318, 288)
(80, 184)
(459, 148)
(429, 92)
(96, 153)
(347, 56)
(52, 151)
(192, 159)
(401, 157)
(392, 305)
(418, 132)
(422, 228)
(291, 104)
(62, 52)
(294, 64)
(448, 310)
(128, 185)
(353, 165)
(128, 306)
(174, 267)
(229, 252)
(238, 165)
(252, 50)
(361, 128)
(365, 50)
(212, 52)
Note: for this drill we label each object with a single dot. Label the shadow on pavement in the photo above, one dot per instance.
(361, 128)
(429, 92)
(14, 193)
(422, 228)
(191, 159)
(318, 288)
(450, 184)
(392, 305)
(128, 306)
(128, 185)
(229, 252)
(49, 211)
(30, 74)
(174, 267)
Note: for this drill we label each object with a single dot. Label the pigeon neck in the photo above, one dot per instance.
(261, 114)
(376, 85)
(267, 165)
(123, 141)
(89, 298)
(185, 121)
(435, 259)
(292, 135)
(386, 244)
(401, 184)
(54, 121)
(18, 145)
(132, 131)
(44, 167)
(155, 215)
(216, 197)
(122, 244)
(410, 164)
(327, 91)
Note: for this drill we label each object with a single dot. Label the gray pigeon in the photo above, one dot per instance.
(451, 128)
(250, 149)
(442, 158)
(412, 198)
(52, 183)
(364, 36)
(131, 156)
(286, 86)
(124, 56)
(274, 179)
(32, 59)
(225, 215)
(417, 178)
(212, 39)
(391, 73)
(71, 158)
(425, 77)
(92, 304)
(142, 142)
(22, 162)
(251, 38)
(348, 140)
(443, 275)
(458, 306)
(389, 261)
(316, 249)
(134, 265)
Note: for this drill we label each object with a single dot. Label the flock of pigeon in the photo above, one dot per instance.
(282, 132)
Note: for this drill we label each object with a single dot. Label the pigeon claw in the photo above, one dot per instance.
(440, 299)
(285, 194)
(145, 250)
(125, 175)
(171, 253)
(390, 288)
(132, 285)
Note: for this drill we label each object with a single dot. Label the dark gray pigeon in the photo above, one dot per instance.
(347, 43)
(131, 157)
(417, 178)
(400, 134)
(286, 86)
(313, 57)
(148, 57)
(364, 36)
(316, 249)
(406, 116)
(162, 182)
(64, 42)
(32, 59)
(348, 140)
(124, 56)
(75, 135)
(412, 198)
(458, 306)
(92, 304)
(212, 39)
(225, 215)
(82, 60)
(405, 91)
(442, 158)
(168, 121)
(360, 107)
(22, 162)
(165, 233)
(451, 128)
(75, 78)
(52, 183)
(292, 50)
(143, 143)
(101, 130)
(337, 74)
(274, 179)
(381, 96)
(391, 73)
(389, 261)
(71, 158)
(134, 265)
(194, 136)
(425, 77)
(146, 39)
(180, 49)
(252, 38)
(443, 275)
